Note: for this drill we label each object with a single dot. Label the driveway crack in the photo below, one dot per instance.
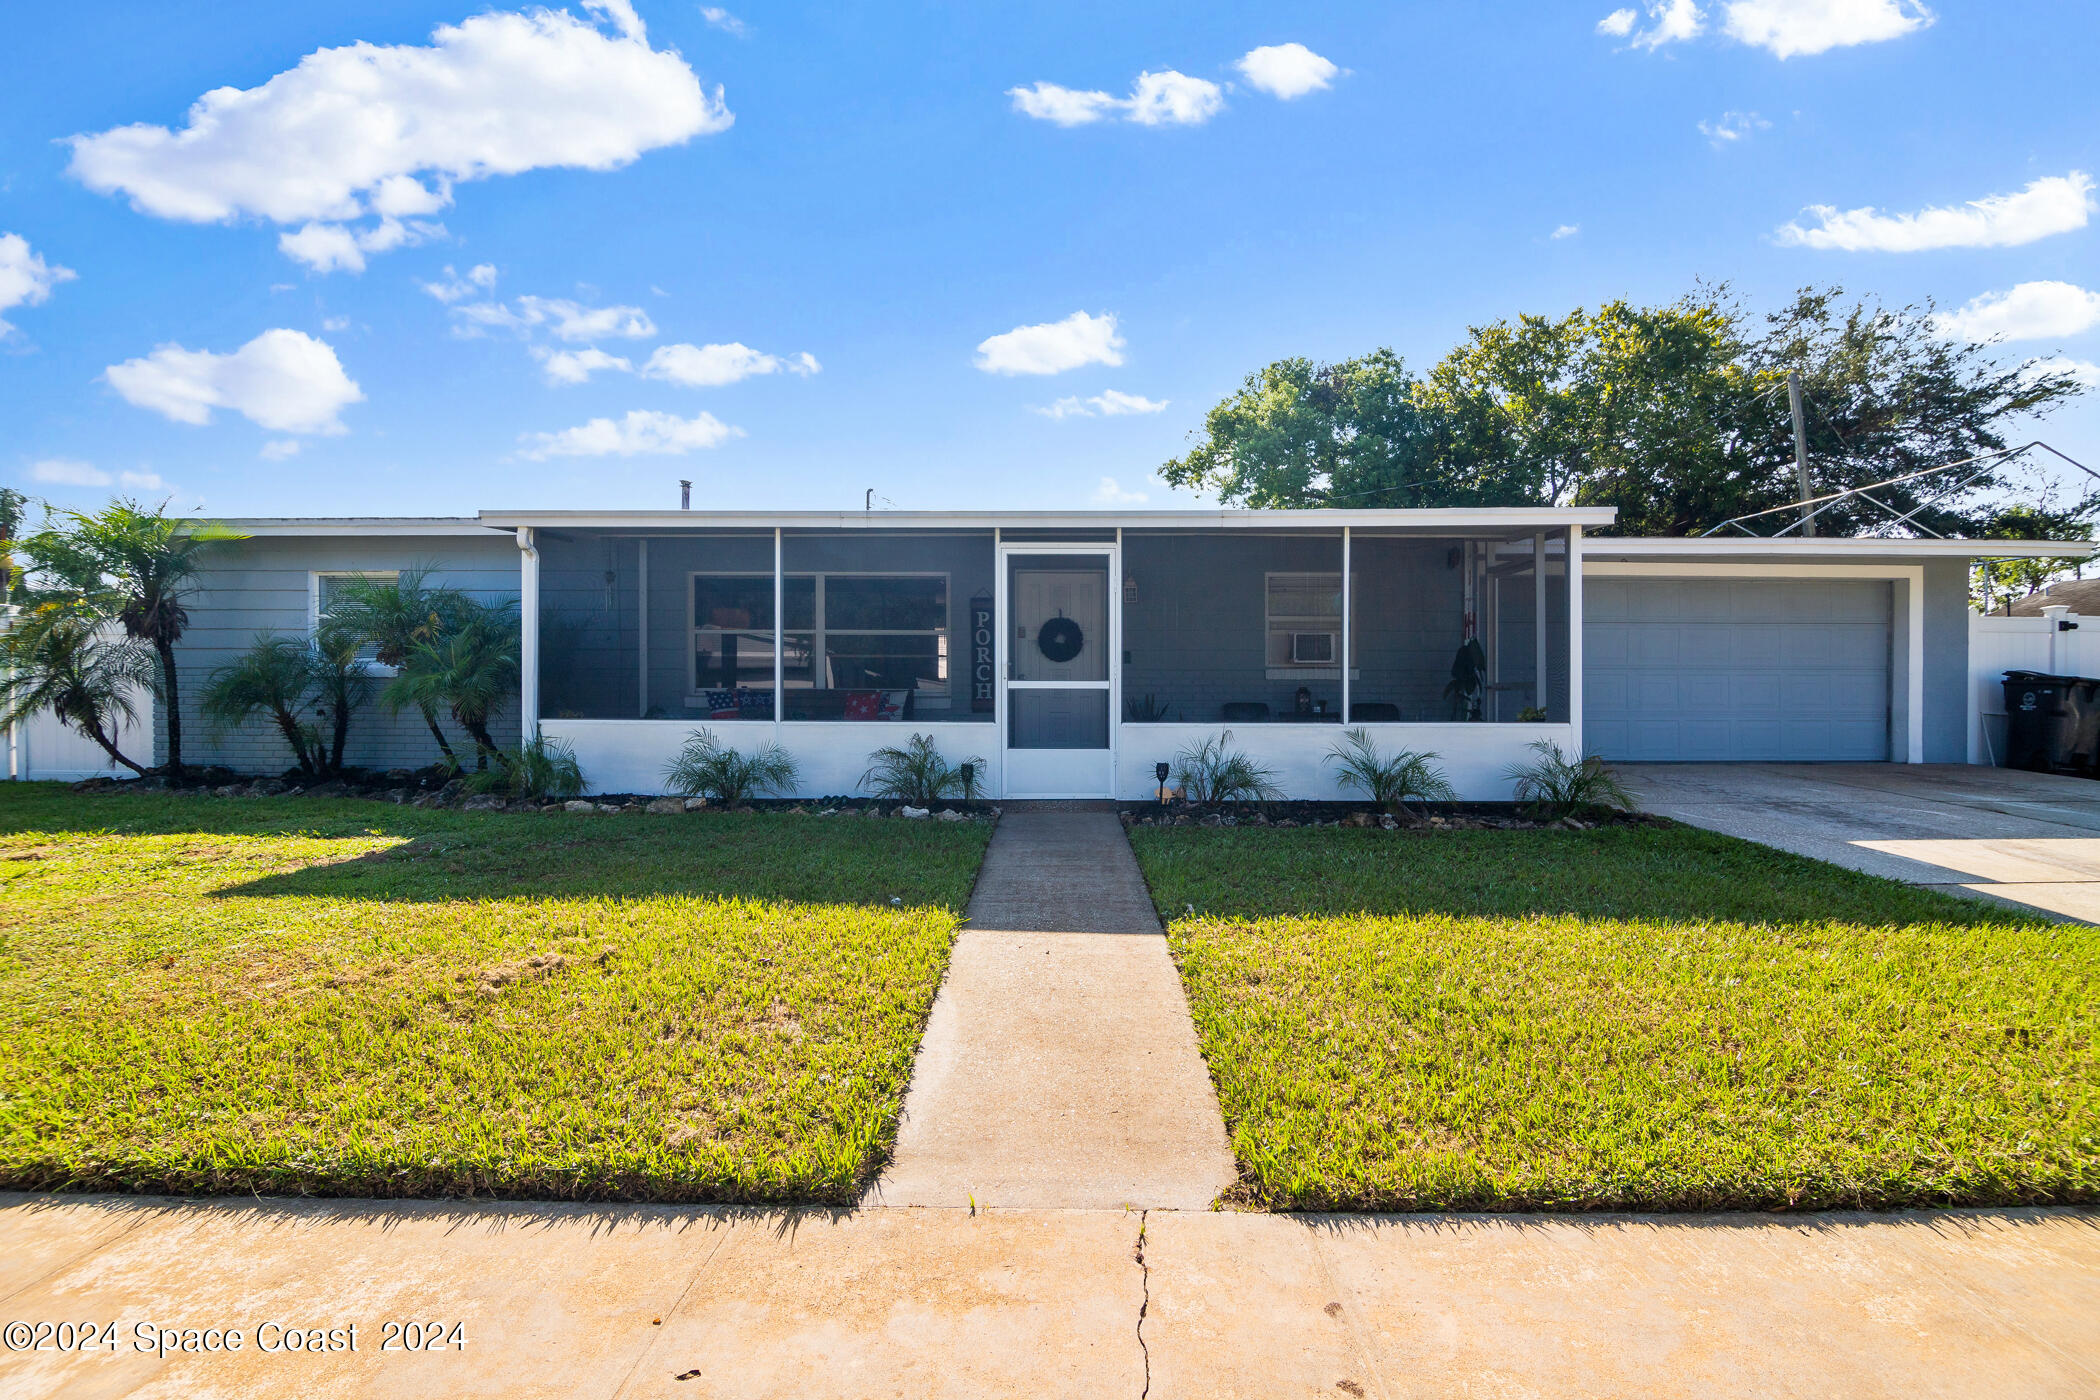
(1144, 1302)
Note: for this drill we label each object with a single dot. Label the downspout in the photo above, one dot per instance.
(528, 635)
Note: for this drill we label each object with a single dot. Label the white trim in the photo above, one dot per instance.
(1004, 550)
(359, 525)
(1822, 548)
(528, 636)
(1348, 642)
(1518, 520)
(1913, 575)
(779, 636)
(1576, 566)
(641, 608)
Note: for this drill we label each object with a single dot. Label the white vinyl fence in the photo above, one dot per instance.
(2001, 644)
(40, 749)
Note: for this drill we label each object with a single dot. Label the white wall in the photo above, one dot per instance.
(630, 755)
(40, 749)
(2000, 644)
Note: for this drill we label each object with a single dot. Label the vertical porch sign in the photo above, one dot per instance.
(981, 622)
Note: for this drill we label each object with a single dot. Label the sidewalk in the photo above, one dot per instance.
(622, 1302)
(1059, 1066)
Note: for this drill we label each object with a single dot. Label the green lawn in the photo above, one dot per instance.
(351, 998)
(1656, 1018)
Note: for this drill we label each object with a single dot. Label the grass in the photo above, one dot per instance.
(349, 998)
(1631, 1017)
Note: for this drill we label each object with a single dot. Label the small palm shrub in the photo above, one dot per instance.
(918, 775)
(542, 768)
(1406, 777)
(1213, 771)
(707, 767)
(1555, 785)
(274, 675)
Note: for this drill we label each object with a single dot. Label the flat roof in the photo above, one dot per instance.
(1791, 548)
(1509, 517)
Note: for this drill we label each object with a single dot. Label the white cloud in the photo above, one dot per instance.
(1166, 98)
(2085, 372)
(1565, 231)
(1732, 127)
(577, 366)
(1053, 347)
(1174, 99)
(2030, 311)
(2054, 204)
(1111, 493)
(1670, 22)
(280, 449)
(1109, 403)
(285, 381)
(1618, 24)
(25, 278)
(64, 471)
(1790, 27)
(1286, 70)
(710, 366)
(640, 432)
(479, 279)
(142, 481)
(721, 19)
(566, 320)
(384, 131)
(335, 323)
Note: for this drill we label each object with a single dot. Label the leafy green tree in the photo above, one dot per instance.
(469, 669)
(394, 617)
(275, 676)
(138, 567)
(65, 660)
(14, 507)
(2015, 578)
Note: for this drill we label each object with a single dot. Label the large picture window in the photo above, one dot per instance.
(855, 646)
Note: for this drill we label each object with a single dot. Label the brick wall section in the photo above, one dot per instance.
(258, 585)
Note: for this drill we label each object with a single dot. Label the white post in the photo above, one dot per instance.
(1348, 653)
(641, 631)
(1538, 618)
(528, 636)
(779, 638)
(1575, 633)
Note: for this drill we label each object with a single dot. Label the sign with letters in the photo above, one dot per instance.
(982, 699)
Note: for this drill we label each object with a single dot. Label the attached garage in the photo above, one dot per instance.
(1737, 669)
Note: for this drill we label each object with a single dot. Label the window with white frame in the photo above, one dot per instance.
(842, 631)
(325, 591)
(1304, 619)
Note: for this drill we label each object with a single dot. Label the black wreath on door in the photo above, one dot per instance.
(1059, 639)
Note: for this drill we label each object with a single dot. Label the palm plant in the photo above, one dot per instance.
(470, 669)
(707, 767)
(1556, 786)
(274, 675)
(542, 767)
(917, 774)
(13, 506)
(1213, 771)
(137, 566)
(394, 617)
(64, 660)
(1408, 776)
(342, 683)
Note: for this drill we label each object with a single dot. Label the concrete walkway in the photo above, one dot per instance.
(613, 1303)
(1059, 1066)
(2028, 839)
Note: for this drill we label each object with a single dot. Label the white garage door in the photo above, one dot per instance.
(1712, 670)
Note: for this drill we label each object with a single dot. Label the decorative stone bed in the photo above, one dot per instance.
(1449, 816)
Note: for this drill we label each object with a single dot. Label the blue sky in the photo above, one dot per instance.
(801, 273)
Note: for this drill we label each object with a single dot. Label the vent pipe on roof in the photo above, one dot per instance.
(685, 495)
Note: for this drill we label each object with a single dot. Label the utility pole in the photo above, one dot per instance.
(1793, 399)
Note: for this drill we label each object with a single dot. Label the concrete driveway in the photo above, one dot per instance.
(2030, 839)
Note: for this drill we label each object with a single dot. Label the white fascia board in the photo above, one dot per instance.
(1510, 518)
(1800, 551)
(355, 525)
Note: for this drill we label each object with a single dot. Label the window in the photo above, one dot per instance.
(324, 594)
(864, 634)
(1304, 622)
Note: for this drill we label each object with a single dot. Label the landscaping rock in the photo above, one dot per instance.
(267, 787)
(914, 813)
(579, 806)
(609, 807)
(694, 804)
(398, 796)
(950, 815)
(335, 787)
(666, 806)
(484, 802)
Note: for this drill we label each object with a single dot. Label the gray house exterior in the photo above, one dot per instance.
(1071, 652)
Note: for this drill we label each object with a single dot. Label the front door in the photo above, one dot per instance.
(1058, 694)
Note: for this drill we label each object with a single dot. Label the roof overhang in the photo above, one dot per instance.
(1737, 549)
(1515, 519)
(358, 525)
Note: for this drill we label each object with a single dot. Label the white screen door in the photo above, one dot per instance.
(1058, 693)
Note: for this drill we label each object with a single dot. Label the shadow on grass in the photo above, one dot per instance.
(1660, 872)
(445, 856)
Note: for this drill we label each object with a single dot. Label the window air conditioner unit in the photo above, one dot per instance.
(1312, 648)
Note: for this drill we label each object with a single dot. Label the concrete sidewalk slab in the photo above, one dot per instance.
(1059, 1066)
(2027, 839)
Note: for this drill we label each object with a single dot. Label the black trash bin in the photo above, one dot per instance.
(2052, 723)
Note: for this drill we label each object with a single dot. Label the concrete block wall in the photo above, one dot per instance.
(265, 584)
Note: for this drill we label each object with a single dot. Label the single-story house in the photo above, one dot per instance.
(1072, 651)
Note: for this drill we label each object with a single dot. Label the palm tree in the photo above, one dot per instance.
(13, 506)
(342, 682)
(470, 670)
(274, 675)
(396, 616)
(139, 567)
(62, 660)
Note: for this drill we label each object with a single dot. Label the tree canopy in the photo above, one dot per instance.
(1677, 415)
